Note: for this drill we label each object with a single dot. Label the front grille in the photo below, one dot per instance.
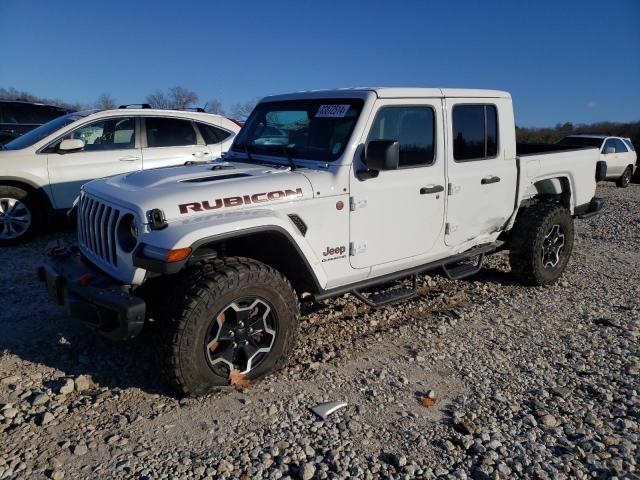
(97, 229)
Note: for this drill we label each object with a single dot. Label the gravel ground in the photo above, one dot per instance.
(528, 382)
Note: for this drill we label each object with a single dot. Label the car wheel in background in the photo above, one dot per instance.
(20, 215)
(625, 179)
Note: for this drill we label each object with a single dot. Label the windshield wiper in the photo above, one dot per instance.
(287, 152)
(247, 151)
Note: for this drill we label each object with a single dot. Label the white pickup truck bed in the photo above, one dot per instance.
(578, 165)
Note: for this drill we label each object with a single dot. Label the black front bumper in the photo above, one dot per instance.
(90, 296)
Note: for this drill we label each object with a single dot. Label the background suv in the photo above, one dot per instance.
(41, 172)
(618, 152)
(18, 117)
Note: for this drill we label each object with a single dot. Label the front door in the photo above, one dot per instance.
(110, 148)
(400, 213)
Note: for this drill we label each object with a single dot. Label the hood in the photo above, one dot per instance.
(187, 191)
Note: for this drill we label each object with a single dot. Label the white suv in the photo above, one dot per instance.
(42, 171)
(618, 152)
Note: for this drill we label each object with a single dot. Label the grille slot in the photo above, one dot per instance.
(97, 229)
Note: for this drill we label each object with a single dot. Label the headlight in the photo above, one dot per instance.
(128, 233)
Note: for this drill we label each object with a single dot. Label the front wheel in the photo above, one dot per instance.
(541, 244)
(20, 215)
(625, 179)
(233, 314)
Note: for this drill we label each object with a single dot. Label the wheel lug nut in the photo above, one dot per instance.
(235, 345)
(241, 324)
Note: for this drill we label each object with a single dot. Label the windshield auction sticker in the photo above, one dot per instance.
(332, 111)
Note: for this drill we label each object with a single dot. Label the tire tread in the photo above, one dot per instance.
(199, 286)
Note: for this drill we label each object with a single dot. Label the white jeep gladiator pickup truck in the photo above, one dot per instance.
(322, 193)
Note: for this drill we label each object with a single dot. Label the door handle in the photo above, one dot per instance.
(431, 189)
(129, 158)
(489, 180)
(199, 154)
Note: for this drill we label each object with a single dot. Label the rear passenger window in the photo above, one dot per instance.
(629, 144)
(212, 134)
(620, 146)
(475, 132)
(169, 132)
(412, 127)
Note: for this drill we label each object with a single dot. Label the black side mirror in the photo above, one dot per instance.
(382, 155)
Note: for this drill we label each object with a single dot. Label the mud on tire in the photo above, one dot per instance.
(222, 289)
(539, 231)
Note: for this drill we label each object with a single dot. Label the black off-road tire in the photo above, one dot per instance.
(199, 295)
(625, 179)
(527, 237)
(35, 211)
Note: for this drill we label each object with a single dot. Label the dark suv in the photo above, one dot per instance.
(18, 117)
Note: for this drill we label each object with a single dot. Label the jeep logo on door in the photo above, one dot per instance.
(227, 202)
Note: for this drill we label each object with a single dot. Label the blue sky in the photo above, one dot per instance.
(576, 61)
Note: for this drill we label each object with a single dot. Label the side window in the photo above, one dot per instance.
(412, 127)
(111, 134)
(475, 132)
(169, 132)
(620, 146)
(608, 144)
(629, 144)
(212, 134)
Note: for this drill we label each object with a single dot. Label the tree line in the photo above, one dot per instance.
(173, 98)
(181, 98)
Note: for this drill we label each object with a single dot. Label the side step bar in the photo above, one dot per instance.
(384, 298)
(456, 272)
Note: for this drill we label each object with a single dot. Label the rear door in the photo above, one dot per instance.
(612, 154)
(400, 213)
(172, 141)
(624, 154)
(482, 180)
(214, 137)
(111, 147)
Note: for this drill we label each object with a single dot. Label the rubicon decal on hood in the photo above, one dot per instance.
(238, 201)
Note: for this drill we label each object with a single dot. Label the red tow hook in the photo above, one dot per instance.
(85, 279)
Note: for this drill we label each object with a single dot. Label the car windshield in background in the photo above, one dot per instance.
(43, 131)
(307, 129)
(581, 141)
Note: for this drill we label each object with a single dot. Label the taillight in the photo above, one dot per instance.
(235, 121)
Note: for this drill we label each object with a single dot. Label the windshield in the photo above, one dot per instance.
(43, 131)
(307, 129)
(581, 141)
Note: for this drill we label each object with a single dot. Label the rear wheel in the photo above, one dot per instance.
(20, 215)
(541, 244)
(234, 314)
(625, 179)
